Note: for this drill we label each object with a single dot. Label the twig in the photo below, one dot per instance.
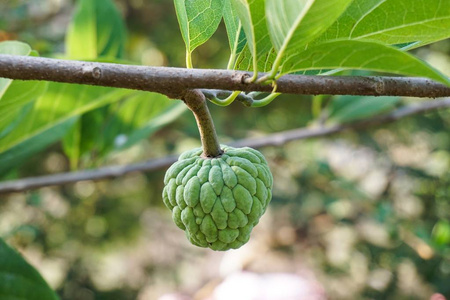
(95, 174)
(174, 81)
(270, 140)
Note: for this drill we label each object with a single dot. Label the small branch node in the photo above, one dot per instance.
(245, 78)
(379, 86)
(95, 72)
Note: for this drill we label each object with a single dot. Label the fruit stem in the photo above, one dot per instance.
(196, 102)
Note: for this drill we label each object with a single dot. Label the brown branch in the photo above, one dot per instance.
(174, 81)
(270, 140)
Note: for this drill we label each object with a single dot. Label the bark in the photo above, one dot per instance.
(173, 82)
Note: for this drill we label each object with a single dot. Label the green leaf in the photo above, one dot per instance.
(345, 109)
(79, 144)
(118, 126)
(198, 20)
(14, 48)
(97, 29)
(252, 16)
(60, 103)
(81, 139)
(19, 280)
(162, 113)
(11, 48)
(294, 23)
(135, 119)
(16, 155)
(393, 21)
(15, 98)
(13, 120)
(362, 55)
(235, 32)
(245, 62)
(71, 144)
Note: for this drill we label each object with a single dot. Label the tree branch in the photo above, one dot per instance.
(270, 140)
(174, 81)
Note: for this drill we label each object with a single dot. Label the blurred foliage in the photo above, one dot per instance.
(367, 213)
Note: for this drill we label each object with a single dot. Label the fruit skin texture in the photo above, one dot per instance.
(218, 201)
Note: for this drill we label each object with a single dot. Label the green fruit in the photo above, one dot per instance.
(218, 201)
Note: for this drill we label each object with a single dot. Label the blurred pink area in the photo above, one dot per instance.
(174, 297)
(254, 286)
(438, 297)
(271, 286)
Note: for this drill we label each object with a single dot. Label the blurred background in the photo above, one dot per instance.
(357, 215)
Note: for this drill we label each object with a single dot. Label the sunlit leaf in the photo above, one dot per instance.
(97, 32)
(97, 29)
(11, 48)
(393, 21)
(19, 280)
(60, 103)
(235, 32)
(125, 123)
(252, 16)
(12, 104)
(198, 20)
(16, 96)
(137, 118)
(362, 55)
(17, 154)
(294, 23)
(14, 48)
(71, 144)
(169, 114)
(244, 61)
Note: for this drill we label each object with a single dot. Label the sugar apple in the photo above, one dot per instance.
(218, 201)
